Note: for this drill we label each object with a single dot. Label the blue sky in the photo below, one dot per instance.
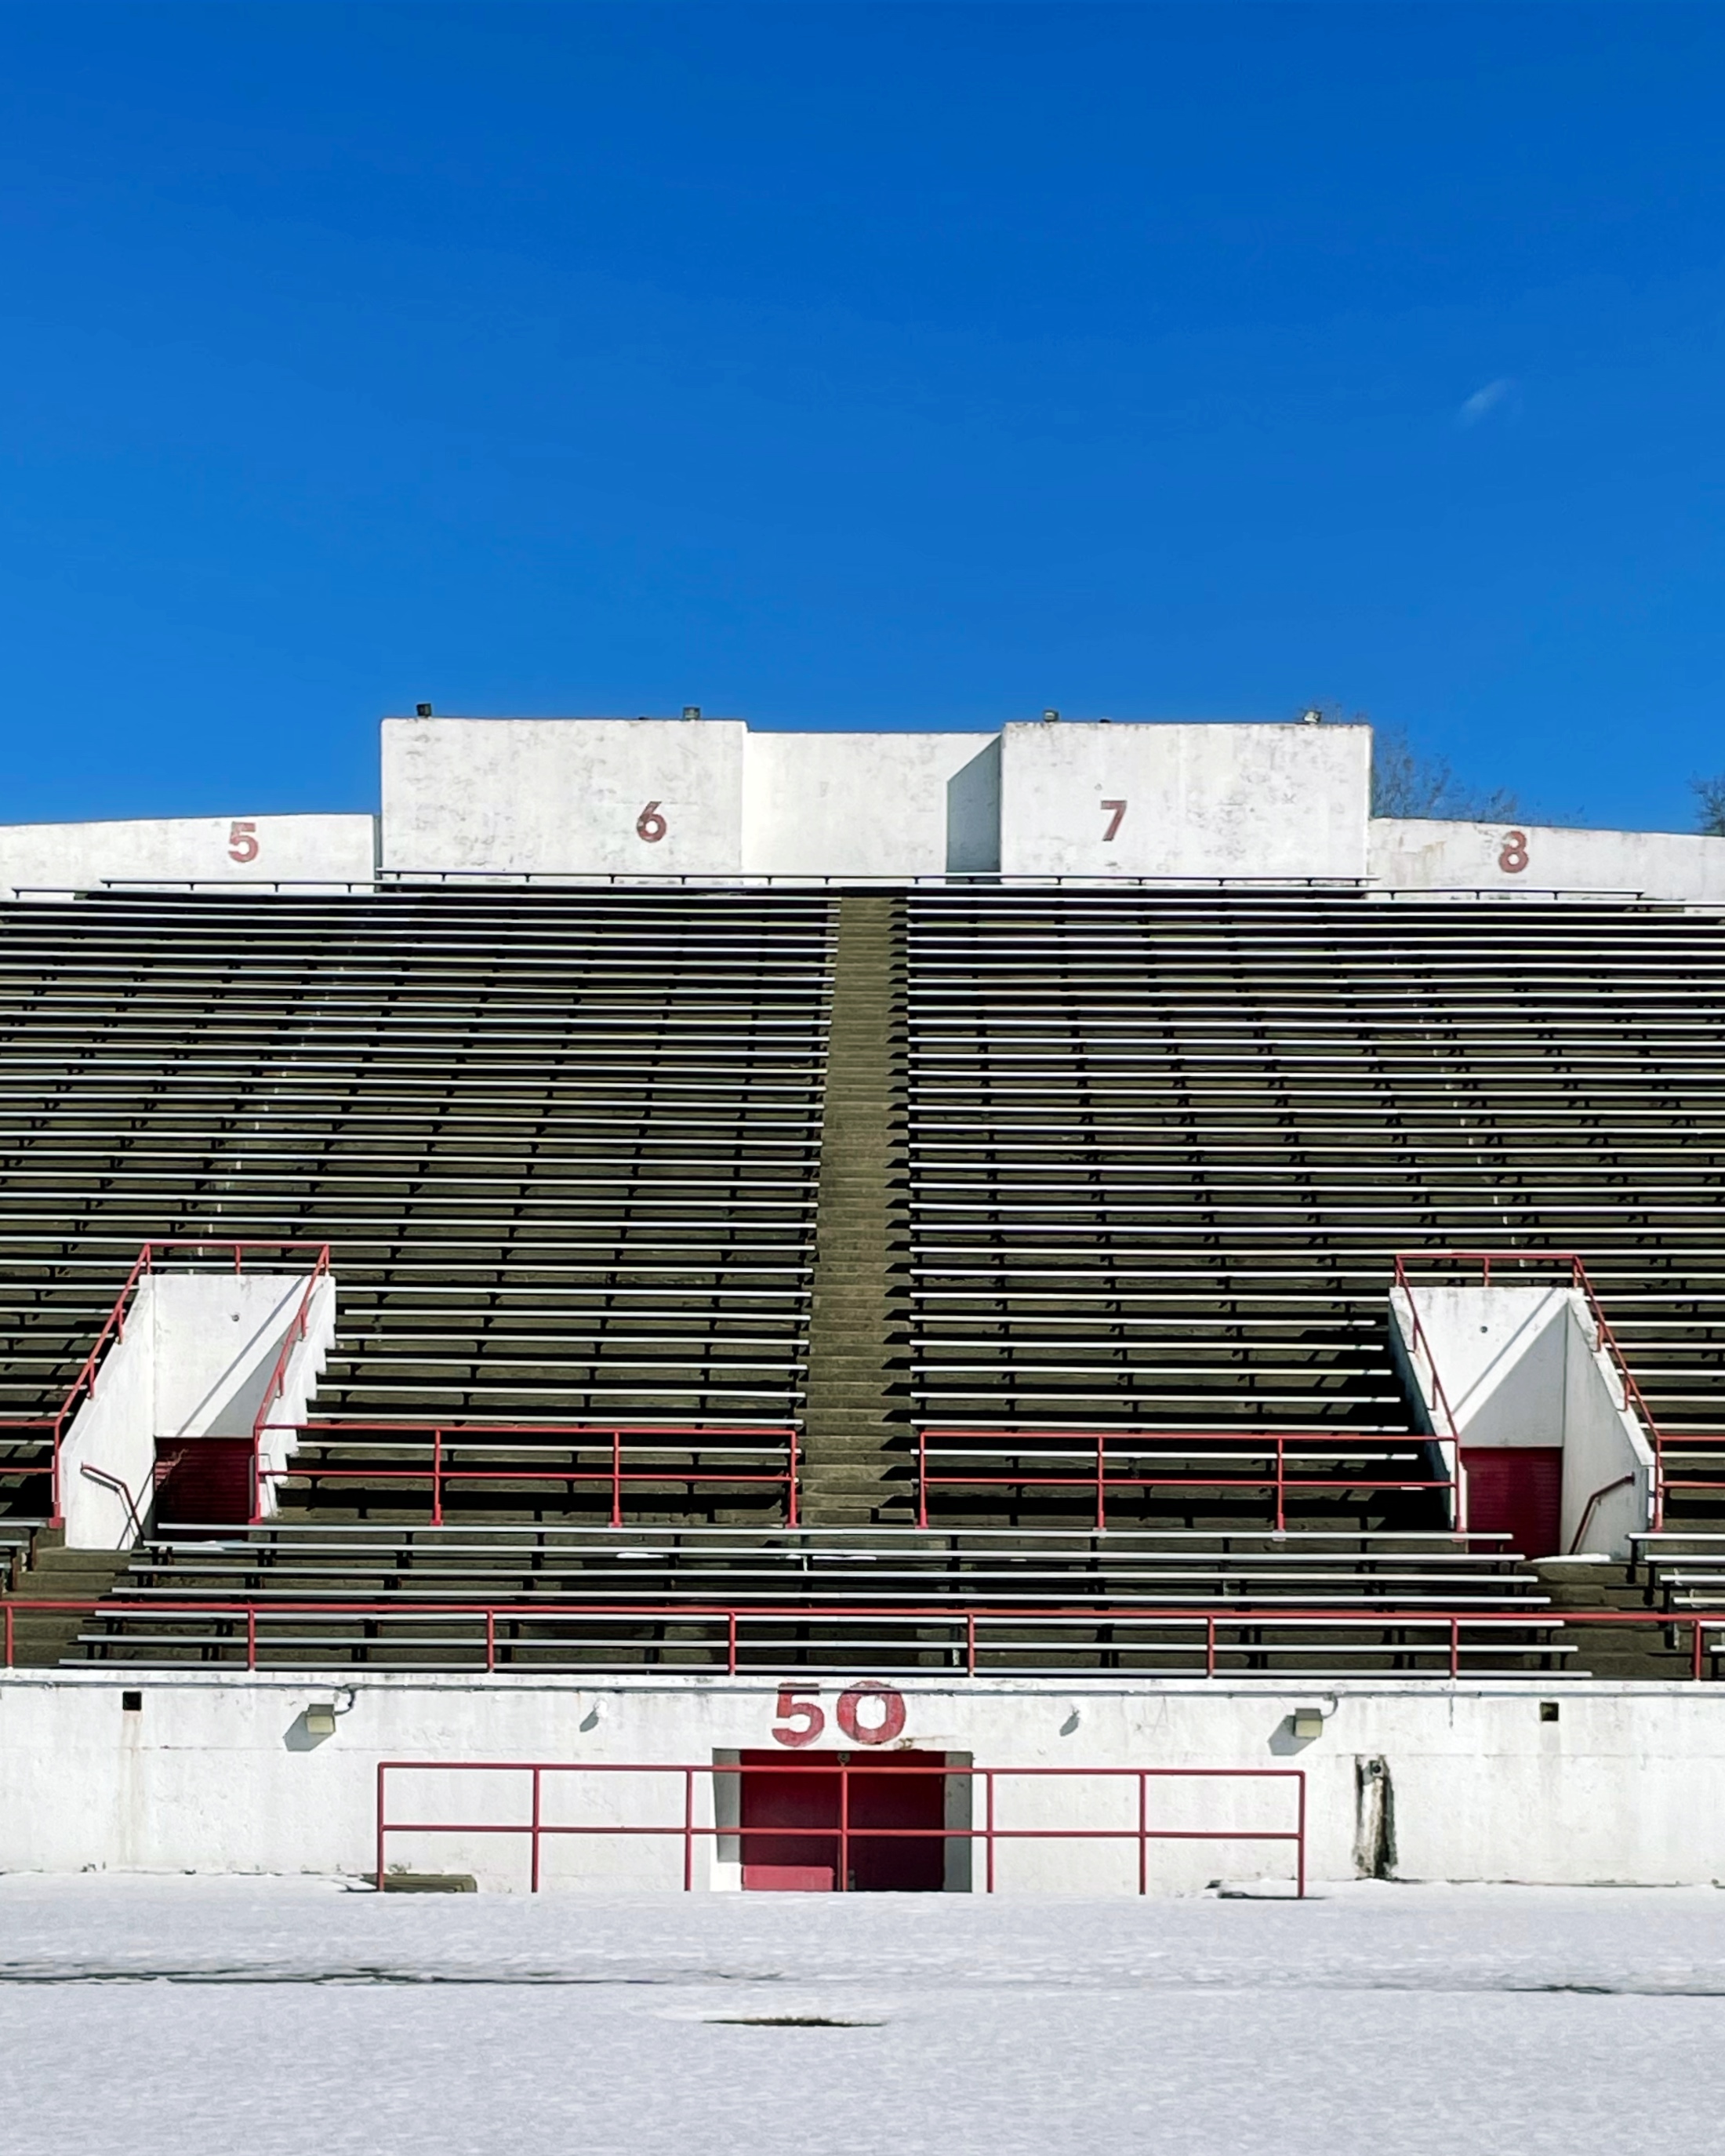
(857, 367)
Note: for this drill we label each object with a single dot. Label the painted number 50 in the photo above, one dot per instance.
(869, 1713)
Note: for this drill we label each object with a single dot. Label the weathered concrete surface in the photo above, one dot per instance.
(862, 804)
(1424, 855)
(221, 1772)
(1198, 800)
(646, 797)
(187, 848)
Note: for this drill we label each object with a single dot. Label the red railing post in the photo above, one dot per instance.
(537, 1777)
(616, 1478)
(382, 1770)
(1695, 1649)
(1300, 1845)
(843, 1883)
(921, 1477)
(988, 1830)
(1102, 1486)
(1281, 1483)
(8, 1635)
(689, 1830)
(251, 1635)
(1210, 1644)
(793, 1466)
(1455, 1646)
(971, 1643)
(730, 1642)
(437, 1518)
(490, 1640)
(1144, 1839)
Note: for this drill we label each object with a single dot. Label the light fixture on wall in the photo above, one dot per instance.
(320, 1719)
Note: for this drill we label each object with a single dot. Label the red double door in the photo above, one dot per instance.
(790, 1818)
(1517, 1491)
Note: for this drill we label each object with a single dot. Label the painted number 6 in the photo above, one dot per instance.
(242, 842)
(649, 824)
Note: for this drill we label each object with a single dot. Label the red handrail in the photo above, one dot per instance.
(843, 1832)
(612, 1437)
(732, 1618)
(83, 1385)
(1101, 1478)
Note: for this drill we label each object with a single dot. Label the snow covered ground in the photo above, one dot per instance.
(254, 2018)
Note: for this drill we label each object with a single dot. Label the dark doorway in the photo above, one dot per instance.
(203, 1481)
(804, 1794)
(1517, 1491)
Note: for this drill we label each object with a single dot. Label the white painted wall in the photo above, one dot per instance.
(868, 804)
(187, 848)
(218, 1773)
(1201, 800)
(198, 1351)
(1424, 855)
(1524, 1367)
(562, 797)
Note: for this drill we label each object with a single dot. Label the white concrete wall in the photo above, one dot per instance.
(219, 1773)
(1524, 1367)
(885, 805)
(561, 797)
(198, 1351)
(247, 849)
(1425, 854)
(1199, 800)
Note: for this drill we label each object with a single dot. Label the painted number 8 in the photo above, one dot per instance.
(649, 824)
(1513, 859)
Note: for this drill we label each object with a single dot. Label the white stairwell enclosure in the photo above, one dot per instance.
(194, 1353)
(1516, 1361)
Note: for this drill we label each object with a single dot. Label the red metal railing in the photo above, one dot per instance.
(1571, 1266)
(621, 1444)
(1101, 1475)
(537, 1828)
(83, 1385)
(1236, 1630)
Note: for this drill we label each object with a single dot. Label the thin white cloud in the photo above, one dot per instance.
(1494, 398)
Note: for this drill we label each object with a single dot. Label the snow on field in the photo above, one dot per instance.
(254, 2018)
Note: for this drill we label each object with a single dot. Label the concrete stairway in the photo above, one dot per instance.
(1638, 1653)
(42, 1638)
(857, 1433)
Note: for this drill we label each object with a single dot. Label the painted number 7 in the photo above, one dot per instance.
(1115, 811)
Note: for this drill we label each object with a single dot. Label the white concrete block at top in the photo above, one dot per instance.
(564, 796)
(885, 805)
(1184, 800)
(187, 850)
(1422, 854)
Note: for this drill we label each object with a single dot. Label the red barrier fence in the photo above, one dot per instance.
(536, 1827)
(621, 1449)
(1448, 1635)
(1096, 1461)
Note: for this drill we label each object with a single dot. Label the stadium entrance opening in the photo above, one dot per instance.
(203, 1481)
(789, 1820)
(1517, 1491)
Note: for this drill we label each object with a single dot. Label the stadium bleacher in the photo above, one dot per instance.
(970, 1187)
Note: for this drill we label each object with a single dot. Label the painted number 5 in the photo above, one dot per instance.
(242, 842)
(650, 825)
(1115, 811)
(800, 1722)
